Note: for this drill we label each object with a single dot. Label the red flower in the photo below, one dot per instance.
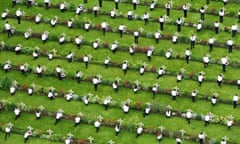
(24, 87)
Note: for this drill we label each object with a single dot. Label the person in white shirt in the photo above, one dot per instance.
(29, 3)
(38, 18)
(185, 10)
(206, 61)
(124, 67)
(179, 22)
(174, 39)
(192, 41)
(214, 100)
(95, 10)
(199, 26)
(50, 56)
(12, 90)
(17, 113)
(238, 83)
(61, 39)
(78, 41)
(87, 26)
(179, 77)
(39, 71)
(168, 7)
(152, 5)
(126, 108)
(69, 97)
(106, 62)
(229, 123)
(178, 140)
(7, 27)
(58, 71)
(161, 72)
(239, 15)
(235, 101)
(142, 70)
(187, 55)
(223, 141)
(149, 53)
(146, 18)
(27, 34)
(154, 91)
(224, 61)
(47, 4)
(19, 14)
(117, 129)
(147, 110)
(234, 30)
(115, 86)
(27, 135)
(7, 66)
(157, 36)
(216, 25)
(193, 95)
(54, 21)
(114, 47)
(63, 6)
(77, 121)
(200, 78)
(68, 140)
(221, 15)
(188, 116)
(97, 125)
(116, 4)
(132, 49)
(121, 29)
(95, 81)
(174, 94)
(211, 41)
(202, 13)
(113, 13)
(79, 9)
(136, 35)
(70, 57)
(106, 103)
(207, 119)
(134, 2)
(30, 91)
(38, 114)
(50, 94)
(96, 44)
(78, 76)
(35, 54)
(230, 45)
(135, 88)
(44, 37)
(130, 15)
(70, 23)
(201, 137)
(18, 49)
(24, 69)
(139, 131)
(4, 14)
(168, 54)
(59, 115)
(161, 21)
(86, 100)
(219, 80)
(8, 130)
(168, 113)
(104, 26)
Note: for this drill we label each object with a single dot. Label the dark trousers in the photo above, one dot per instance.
(95, 87)
(106, 106)
(153, 95)
(185, 13)
(86, 65)
(188, 120)
(210, 47)
(219, 83)
(207, 2)
(76, 124)
(7, 135)
(121, 33)
(216, 30)
(78, 79)
(192, 44)
(174, 98)
(157, 40)
(223, 67)
(104, 31)
(56, 121)
(202, 16)
(85, 1)
(168, 11)
(187, 59)
(17, 116)
(9, 33)
(136, 39)
(97, 129)
(179, 27)
(234, 32)
(39, 75)
(95, 13)
(193, 99)
(200, 141)
(125, 71)
(234, 104)
(116, 133)
(206, 123)
(46, 5)
(25, 140)
(116, 5)
(100, 3)
(205, 64)
(14, 3)
(135, 6)
(161, 25)
(230, 48)
(220, 19)
(29, 4)
(145, 21)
